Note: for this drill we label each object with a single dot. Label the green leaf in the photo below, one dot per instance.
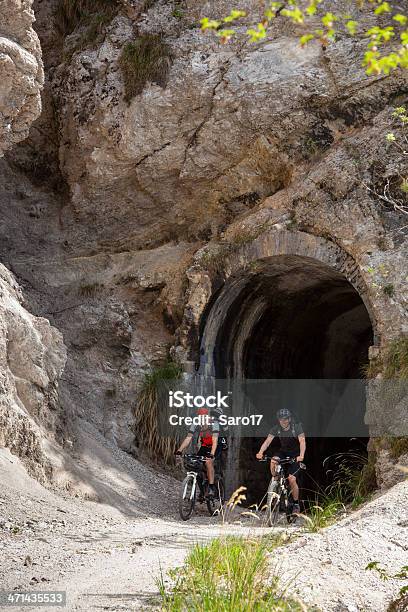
(305, 39)
(402, 19)
(295, 14)
(328, 19)
(209, 24)
(227, 34)
(403, 573)
(234, 14)
(256, 35)
(352, 27)
(372, 564)
(312, 8)
(384, 7)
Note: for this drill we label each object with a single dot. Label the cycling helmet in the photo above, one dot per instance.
(201, 411)
(283, 413)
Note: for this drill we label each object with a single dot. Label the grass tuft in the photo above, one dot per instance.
(229, 574)
(397, 446)
(353, 483)
(70, 14)
(90, 290)
(148, 58)
(392, 363)
(146, 412)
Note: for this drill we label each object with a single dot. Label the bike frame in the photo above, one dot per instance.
(282, 479)
(282, 485)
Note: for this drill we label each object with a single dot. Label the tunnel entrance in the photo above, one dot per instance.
(289, 317)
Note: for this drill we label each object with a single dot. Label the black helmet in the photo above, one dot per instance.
(283, 413)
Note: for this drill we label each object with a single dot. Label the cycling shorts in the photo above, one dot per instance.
(204, 451)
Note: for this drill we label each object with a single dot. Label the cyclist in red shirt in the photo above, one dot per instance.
(210, 446)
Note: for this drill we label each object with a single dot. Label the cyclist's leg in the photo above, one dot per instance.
(210, 463)
(274, 463)
(293, 471)
(204, 451)
(294, 488)
(210, 470)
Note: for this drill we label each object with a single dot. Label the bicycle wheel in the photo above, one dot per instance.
(215, 504)
(187, 497)
(273, 501)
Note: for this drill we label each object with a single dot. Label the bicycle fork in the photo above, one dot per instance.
(193, 488)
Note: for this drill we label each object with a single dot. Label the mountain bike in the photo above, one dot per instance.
(195, 485)
(279, 495)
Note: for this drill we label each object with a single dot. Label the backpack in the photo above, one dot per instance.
(216, 413)
(293, 430)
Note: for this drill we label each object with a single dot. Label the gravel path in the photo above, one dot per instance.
(104, 555)
(107, 555)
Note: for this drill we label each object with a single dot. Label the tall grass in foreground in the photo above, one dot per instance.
(350, 488)
(229, 574)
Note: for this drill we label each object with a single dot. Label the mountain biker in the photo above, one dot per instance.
(210, 446)
(293, 444)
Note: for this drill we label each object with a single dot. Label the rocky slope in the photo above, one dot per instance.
(329, 568)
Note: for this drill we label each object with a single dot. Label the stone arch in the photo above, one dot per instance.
(213, 288)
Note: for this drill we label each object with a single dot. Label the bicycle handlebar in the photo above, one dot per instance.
(282, 461)
(192, 456)
(278, 460)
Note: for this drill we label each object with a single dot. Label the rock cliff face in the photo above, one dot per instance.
(115, 205)
(32, 353)
(32, 358)
(21, 72)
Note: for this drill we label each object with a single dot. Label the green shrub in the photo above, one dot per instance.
(69, 14)
(389, 290)
(148, 58)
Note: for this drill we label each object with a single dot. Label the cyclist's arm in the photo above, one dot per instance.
(186, 442)
(266, 444)
(302, 443)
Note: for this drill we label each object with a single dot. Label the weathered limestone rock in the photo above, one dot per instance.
(235, 124)
(21, 73)
(32, 358)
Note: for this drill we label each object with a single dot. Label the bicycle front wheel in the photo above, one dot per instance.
(273, 501)
(187, 497)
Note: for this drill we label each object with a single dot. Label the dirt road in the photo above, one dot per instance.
(108, 555)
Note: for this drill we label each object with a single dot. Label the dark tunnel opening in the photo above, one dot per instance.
(294, 318)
